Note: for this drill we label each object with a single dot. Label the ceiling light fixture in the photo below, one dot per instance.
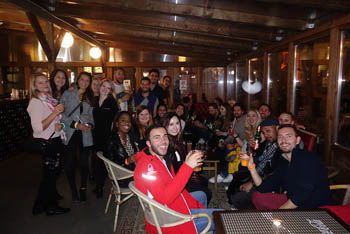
(67, 41)
(95, 52)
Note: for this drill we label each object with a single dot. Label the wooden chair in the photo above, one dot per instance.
(161, 216)
(115, 173)
(346, 199)
(212, 165)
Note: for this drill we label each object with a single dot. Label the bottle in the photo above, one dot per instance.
(257, 138)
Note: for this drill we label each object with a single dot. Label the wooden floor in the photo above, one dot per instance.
(19, 179)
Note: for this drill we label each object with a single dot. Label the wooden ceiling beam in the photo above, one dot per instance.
(35, 9)
(338, 5)
(231, 11)
(117, 29)
(41, 36)
(161, 21)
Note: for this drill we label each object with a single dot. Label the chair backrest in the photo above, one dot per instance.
(309, 139)
(157, 214)
(115, 171)
(346, 199)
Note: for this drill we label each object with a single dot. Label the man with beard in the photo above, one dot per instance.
(155, 89)
(239, 120)
(145, 97)
(118, 79)
(154, 176)
(265, 111)
(304, 177)
(267, 158)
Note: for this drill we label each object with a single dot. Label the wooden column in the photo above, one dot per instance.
(225, 84)
(170, 72)
(199, 78)
(109, 73)
(290, 78)
(332, 91)
(246, 78)
(265, 78)
(138, 77)
(1, 81)
(27, 77)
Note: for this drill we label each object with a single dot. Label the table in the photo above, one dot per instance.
(291, 221)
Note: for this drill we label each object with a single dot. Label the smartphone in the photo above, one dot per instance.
(127, 84)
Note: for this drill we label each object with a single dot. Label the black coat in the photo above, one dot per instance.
(116, 152)
(103, 117)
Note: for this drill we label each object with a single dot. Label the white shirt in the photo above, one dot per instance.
(118, 88)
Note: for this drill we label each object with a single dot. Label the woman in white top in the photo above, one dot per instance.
(45, 115)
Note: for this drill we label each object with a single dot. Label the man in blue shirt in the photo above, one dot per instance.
(145, 97)
(304, 179)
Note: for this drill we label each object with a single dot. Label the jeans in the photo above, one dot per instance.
(201, 197)
(202, 222)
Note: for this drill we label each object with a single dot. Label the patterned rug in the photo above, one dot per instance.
(131, 214)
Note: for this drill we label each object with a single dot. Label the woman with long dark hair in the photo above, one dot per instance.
(104, 112)
(45, 115)
(59, 83)
(197, 185)
(79, 121)
(162, 109)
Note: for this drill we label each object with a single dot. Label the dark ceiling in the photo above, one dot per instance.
(209, 30)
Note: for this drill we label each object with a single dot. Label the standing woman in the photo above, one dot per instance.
(45, 116)
(104, 112)
(79, 121)
(59, 83)
(143, 121)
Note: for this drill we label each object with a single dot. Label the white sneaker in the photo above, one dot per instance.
(228, 178)
(219, 180)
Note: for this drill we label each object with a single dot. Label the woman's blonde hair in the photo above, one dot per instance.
(250, 130)
(33, 92)
(112, 91)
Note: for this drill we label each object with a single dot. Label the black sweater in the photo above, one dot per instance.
(304, 178)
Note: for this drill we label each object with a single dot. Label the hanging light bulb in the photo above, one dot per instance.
(67, 40)
(95, 52)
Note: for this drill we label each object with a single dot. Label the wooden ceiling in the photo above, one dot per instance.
(209, 30)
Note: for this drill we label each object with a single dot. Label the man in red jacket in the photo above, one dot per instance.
(155, 177)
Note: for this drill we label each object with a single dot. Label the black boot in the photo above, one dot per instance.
(56, 210)
(38, 208)
(83, 194)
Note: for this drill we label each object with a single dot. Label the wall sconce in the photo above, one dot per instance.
(95, 52)
(67, 41)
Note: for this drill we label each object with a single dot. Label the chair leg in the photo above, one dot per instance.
(109, 200)
(116, 213)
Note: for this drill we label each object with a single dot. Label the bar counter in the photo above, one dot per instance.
(14, 126)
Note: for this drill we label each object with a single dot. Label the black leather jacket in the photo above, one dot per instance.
(116, 152)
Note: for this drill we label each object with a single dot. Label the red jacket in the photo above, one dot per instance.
(153, 178)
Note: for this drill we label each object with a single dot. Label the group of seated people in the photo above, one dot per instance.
(148, 138)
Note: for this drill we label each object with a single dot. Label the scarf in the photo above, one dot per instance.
(267, 155)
